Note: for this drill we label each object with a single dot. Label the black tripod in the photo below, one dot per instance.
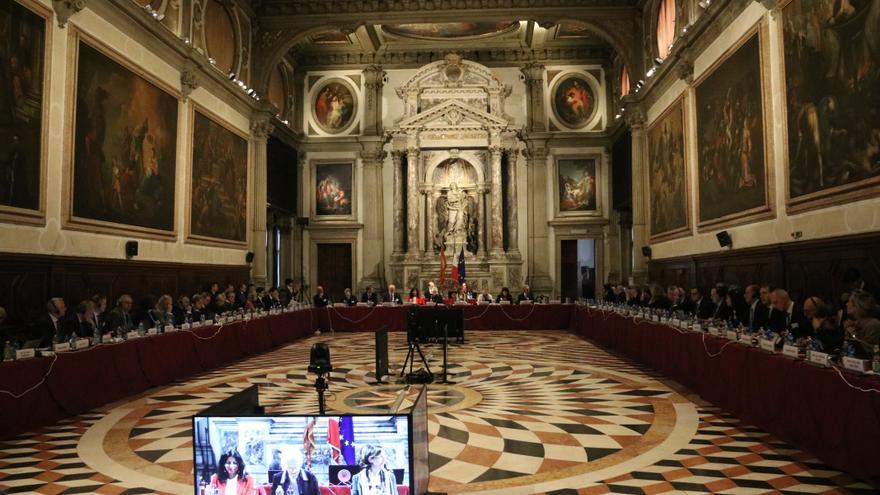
(321, 386)
(411, 358)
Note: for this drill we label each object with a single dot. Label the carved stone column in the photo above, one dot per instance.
(399, 222)
(374, 78)
(412, 201)
(481, 213)
(512, 203)
(635, 117)
(261, 127)
(497, 246)
(429, 222)
(539, 262)
(534, 76)
(372, 159)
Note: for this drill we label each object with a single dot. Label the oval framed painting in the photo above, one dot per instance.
(574, 100)
(334, 105)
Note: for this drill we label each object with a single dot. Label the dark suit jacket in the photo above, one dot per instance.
(117, 319)
(350, 300)
(660, 302)
(704, 310)
(81, 329)
(395, 298)
(306, 483)
(722, 312)
(371, 298)
(522, 297)
(436, 298)
(45, 330)
(321, 300)
(686, 306)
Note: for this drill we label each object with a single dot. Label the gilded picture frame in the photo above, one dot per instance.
(577, 186)
(336, 201)
(673, 119)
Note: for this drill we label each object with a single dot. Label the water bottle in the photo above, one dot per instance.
(158, 327)
(141, 329)
(202, 319)
(8, 354)
(96, 336)
(875, 363)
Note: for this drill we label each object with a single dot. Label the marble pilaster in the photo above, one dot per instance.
(372, 159)
(261, 127)
(636, 119)
(412, 201)
(512, 203)
(496, 220)
(398, 191)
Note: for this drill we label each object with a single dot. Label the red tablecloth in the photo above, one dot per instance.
(810, 407)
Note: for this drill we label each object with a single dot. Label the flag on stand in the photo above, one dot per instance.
(442, 267)
(333, 440)
(461, 274)
(309, 441)
(346, 439)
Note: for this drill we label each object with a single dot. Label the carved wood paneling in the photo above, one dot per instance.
(28, 281)
(805, 268)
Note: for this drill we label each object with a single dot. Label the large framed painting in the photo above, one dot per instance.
(124, 152)
(218, 195)
(574, 100)
(334, 105)
(23, 63)
(333, 190)
(733, 180)
(667, 176)
(831, 53)
(576, 185)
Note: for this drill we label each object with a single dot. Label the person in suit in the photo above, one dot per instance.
(306, 482)
(375, 478)
(348, 298)
(320, 299)
(485, 296)
(99, 301)
(393, 296)
(658, 299)
(434, 294)
(862, 325)
(757, 313)
(286, 291)
(241, 295)
(163, 313)
(702, 308)
(119, 319)
(466, 294)
(50, 328)
(182, 311)
(198, 308)
(825, 329)
(766, 301)
(525, 295)
(739, 309)
(80, 326)
(273, 301)
(504, 296)
(790, 318)
(370, 296)
(720, 311)
(231, 476)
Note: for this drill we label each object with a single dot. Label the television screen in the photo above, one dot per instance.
(266, 453)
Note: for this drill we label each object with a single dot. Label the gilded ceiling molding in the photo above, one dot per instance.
(307, 7)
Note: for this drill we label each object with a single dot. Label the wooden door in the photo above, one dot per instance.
(334, 269)
(568, 275)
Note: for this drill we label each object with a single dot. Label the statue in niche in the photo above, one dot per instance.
(456, 221)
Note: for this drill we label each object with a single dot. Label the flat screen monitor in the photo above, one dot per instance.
(325, 451)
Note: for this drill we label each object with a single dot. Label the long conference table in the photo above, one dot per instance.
(832, 414)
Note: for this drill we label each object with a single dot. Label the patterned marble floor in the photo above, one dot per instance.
(527, 412)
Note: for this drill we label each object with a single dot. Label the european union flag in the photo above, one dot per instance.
(346, 439)
(461, 277)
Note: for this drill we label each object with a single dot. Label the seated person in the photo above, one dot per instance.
(790, 317)
(370, 296)
(49, 329)
(415, 296)
(756, 318)
(273, 300)
(119, 318)
(306, 482)
(825, 329)
(375, 478)
(198, 308)
(434, 295)
(862, 324)
(81, 325)
(644, 297)
(348, 298)
(220, 306)
(525, 295)
(231, 477)
(739, 309)
(99, 302)
(393, 296)
(162, 314)
(485, 296)
(260, 302)
(504, 296)
(466, 294)
(182, 311)
(320, 299)
(658, 299)
(701, 308)
(720, 311)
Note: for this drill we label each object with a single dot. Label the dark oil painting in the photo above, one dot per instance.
(333, 192)
(573, 101)
(577, 184)
(730, 136)
(832, 82)
(667, 176)
(335, 106)
(125, 145)
(22, 66)
(219, 181)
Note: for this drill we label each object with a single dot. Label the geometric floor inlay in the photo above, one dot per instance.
(526, 412)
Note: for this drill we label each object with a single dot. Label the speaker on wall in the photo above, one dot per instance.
(724, 239)
(131, 248)
(249, 257)
(646, 251)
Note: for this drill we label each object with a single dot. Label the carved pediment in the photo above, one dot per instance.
(453, 114)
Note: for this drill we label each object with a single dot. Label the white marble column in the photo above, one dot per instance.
(429, 223)
(412, 201)
(512, 203)
(398, 201)
(636, 119)
(261, 127)
(533, 72)
(538, 237)
(481, 213)
(372, 159)
(497, 227)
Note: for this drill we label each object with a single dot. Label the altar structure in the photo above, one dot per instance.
(454, 154)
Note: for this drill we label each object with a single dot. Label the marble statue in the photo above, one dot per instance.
(456, 221)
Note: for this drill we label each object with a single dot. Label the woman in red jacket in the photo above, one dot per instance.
(230, 477)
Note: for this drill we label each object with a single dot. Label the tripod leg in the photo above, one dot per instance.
(409, 359)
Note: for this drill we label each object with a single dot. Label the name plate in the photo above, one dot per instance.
(664, 320)
(745, 338)
(62, 347)
(247, 316)
(714, 331)
(132, 335)
(791, 351)
(82, 343)
(460, 303)
(768, 345)
(484, 303)
(731, 335)
(152, 331)
(555, 301)
(209, 322)
(856, 364)
(698, 327)
(107, 338)
(169, 328)
(25, 353)
(195, 324)
(676, 323)
(526, 301)
(656, 319)
(820, 358)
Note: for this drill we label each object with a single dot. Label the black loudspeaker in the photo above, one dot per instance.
(646, 251)
(249, 257)
(319, 359)
(724, 239)
(304, 221)
(131, 248)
